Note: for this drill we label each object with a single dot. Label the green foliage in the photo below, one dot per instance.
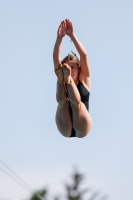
(73, 191)
(39, 194)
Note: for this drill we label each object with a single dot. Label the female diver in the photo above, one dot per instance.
(73, 86)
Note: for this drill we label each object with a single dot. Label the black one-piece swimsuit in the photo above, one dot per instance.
(84, 94)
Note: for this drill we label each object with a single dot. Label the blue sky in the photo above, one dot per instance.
(29, 140)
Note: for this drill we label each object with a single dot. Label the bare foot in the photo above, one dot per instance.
(59, 73)
(66, 73)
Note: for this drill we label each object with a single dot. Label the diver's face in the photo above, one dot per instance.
(74, 69)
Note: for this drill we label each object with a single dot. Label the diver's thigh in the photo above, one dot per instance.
(82, 121)
(64, 120)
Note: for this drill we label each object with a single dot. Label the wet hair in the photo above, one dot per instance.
(72, 57)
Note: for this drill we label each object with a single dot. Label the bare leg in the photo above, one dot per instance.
(81, 119)
(63, 114)
(73, 93)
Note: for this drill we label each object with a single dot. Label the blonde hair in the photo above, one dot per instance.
(71, 57)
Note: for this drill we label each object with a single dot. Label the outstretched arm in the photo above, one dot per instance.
(57, 47)
(85, 67)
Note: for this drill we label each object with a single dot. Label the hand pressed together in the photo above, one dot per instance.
(62, 30)
(70, 28)
(65, 28)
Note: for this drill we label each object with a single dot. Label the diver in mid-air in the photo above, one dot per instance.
(73, 86)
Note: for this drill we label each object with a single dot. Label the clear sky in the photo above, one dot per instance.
(29, 140)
